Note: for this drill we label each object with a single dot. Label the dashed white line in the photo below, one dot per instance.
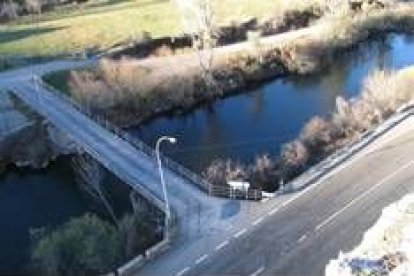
(201, 259)
(301, 239)
(257, 221)
(258, 271)
(272, 212)
(361, 196)
(182, 272)
(221, 245)
(240, 233)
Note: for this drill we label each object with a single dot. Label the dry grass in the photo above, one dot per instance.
(126, 92)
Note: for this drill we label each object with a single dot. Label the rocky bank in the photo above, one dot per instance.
(26, 139)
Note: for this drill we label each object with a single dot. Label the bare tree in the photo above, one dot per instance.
(198, 20)
(33, 6)
(9, 9)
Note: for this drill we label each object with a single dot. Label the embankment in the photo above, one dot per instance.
(26, 140)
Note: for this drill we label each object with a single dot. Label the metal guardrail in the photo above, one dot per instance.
(229, 192)
(199, 181)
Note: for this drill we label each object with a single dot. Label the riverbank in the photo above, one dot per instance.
(382, 94)
(133, 91)
(26, 139)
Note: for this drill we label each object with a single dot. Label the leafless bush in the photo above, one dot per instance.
(33, 6)
(9, 10)
(264, 173)
(294, 157)
(220, 172)
(128, 92)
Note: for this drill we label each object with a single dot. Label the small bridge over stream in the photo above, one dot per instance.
(127, 157)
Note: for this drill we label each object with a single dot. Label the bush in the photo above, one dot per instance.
(85, 245)
(89, 245)
(220, 172)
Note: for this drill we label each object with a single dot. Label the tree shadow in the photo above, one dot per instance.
(114, 2)
(93, 9)
(11, 36)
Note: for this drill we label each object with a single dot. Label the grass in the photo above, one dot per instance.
(103, 24)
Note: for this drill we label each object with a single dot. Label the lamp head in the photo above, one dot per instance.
(172, 140)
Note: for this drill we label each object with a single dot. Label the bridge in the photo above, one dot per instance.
(128, 158)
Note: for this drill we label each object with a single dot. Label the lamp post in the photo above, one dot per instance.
(172, 140)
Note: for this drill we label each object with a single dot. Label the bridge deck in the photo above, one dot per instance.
(131, 165)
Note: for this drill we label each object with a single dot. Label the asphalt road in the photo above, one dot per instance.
(301, 237)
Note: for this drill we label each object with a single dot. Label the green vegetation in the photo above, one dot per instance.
(89, 245)
(100, 25)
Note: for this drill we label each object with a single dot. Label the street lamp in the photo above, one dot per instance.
(172, 140)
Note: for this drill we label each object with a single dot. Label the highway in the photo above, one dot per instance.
(301, 237)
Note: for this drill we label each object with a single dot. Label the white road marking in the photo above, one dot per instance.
(182, 272)
(361, 196)
(240, 233)
(301, 239)
(258, 271)
(272, 212)
(201, 259)
(221, 245)
(257, 221)
(229, 228)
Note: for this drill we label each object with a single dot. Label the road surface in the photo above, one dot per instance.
(300, 238)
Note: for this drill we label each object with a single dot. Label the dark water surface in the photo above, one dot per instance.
(261, 120)
(32, 199)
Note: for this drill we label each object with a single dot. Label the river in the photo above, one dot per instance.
(33, 199)
(260, 120)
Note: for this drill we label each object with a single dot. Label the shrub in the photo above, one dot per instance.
(83, 245)
(220, 172)
(88, 245)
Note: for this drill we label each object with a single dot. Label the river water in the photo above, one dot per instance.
(33, 199)
(261, 120)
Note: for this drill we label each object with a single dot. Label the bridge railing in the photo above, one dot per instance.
(194, 178)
